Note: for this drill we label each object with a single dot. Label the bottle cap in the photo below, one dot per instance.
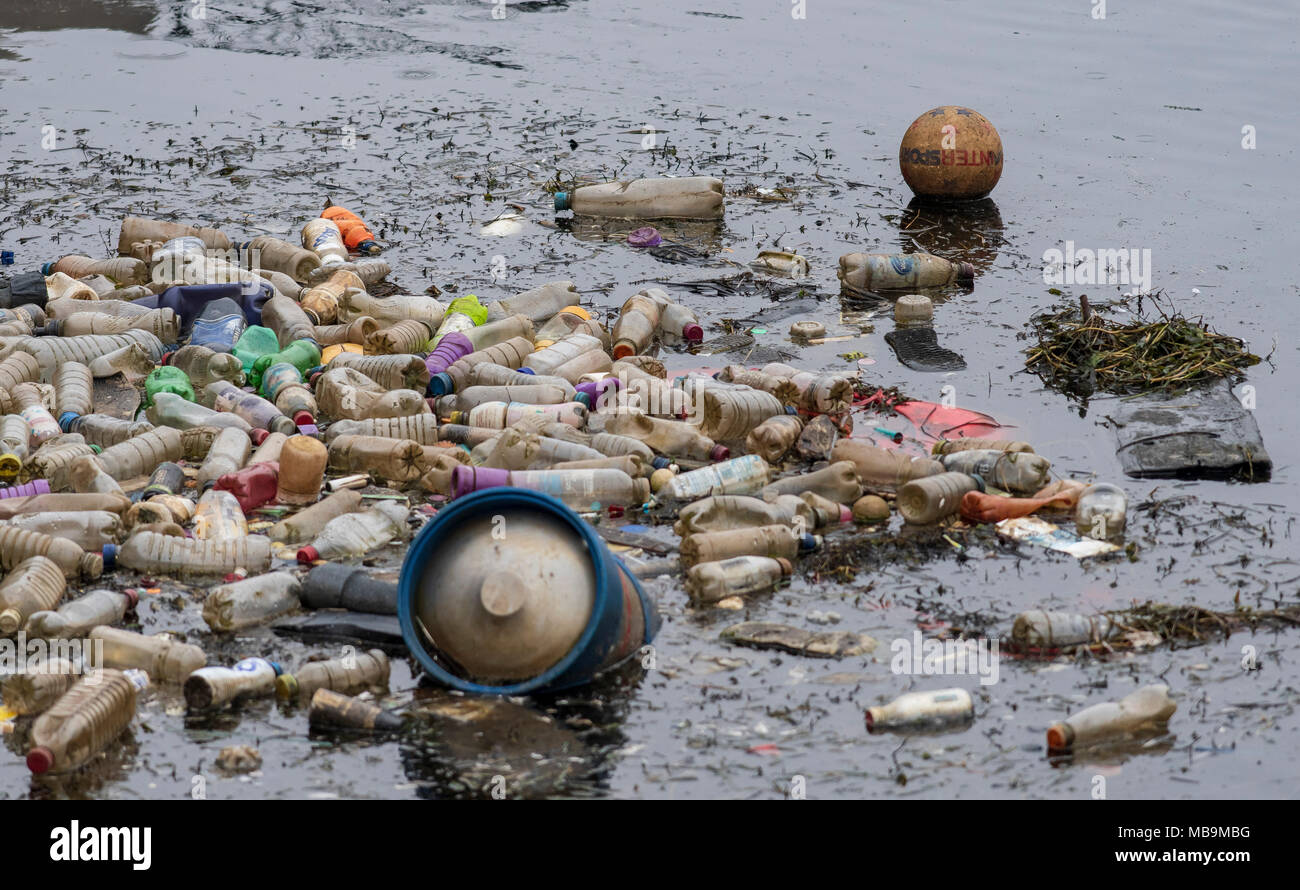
(286, 686)
(110, 558)
(303, 418)
(1060, 737)
(370, 248)
(584, 399)
(661, 463)
(979, 481)
(433, 404)
(441, 384)
(465, 479)
(40, 759)
(846, 514)
(50, 329)
(258, 436)
(47, 269)
(528, 371)
(624, 348)
(966, 273)
(166, 358)
(276, 666)
(809, 542)
(132, 597)
(457, 416)
(787, 567)
(307, 555)
(719, 452)
(871, 718)
(561, 200)
(66, 419)
(692, 332)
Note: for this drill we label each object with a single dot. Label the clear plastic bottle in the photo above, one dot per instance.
(869, 272)
(578, 489)
(355, 534)
(463, 314)
(14, 436)
(837, 482)
(90, 716)
(87, 476)
(106, 431)
(1039, 629)
(394, 460)
(1148, 708)
(615, 445)
(171, 410)
(352, 673)
(389, 371)
(490, 375)
(139, 456)
(390, 310)
(583, 367)
(510, 354)
(251, 602)
(35, 584)
(932, 498)
(269, 449)
(355, 331)
(123, 270)
(740, 475)
(923, 712)
(951, 446)
(131, 359)
(322, 298)
(16, 368)
(772, 541)
(723, 512)
(219, 517)
(498, 415)
(211, 687)
(1018, 472)
(638, 319)
(274, 254)
(709, 582)
(89, 529)
(138, 230)
(51, 352)
(537, 304)
(548, 360)
(725, 414)
(164, 659)
(334, 709)
(162, 323)
(1102, 512)
(774, 437)
(302, 470)
(31, 407)
(880, 468)
(402, 338)
(203, 366)
(39, 687)
(515, 449)
(18, 545)
(283, 385)
(306, 524)
(781, 387)
(670, 437)
(288, 320)
(562, 324)
(225, 397)
(78, 617)
(499, 331)
(323, 238)
(229, 453)
(75, 389)
(153, 553)
(422, 428)
(687, 197)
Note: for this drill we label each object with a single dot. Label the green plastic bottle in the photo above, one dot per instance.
(464, 313)
(167, 379)
(254, 343)
(302, 354)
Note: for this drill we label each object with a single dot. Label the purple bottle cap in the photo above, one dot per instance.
(646, 237)
(468, 479)
(36, 486)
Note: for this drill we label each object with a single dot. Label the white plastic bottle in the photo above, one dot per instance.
(355, 534)
(687, 197)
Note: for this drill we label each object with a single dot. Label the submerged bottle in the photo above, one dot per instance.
(164, 659)
(1039, 629)
(212, 687)
(79, 617)
(356, 534)
(1102, 512)
(860, 272)
(333, 709)
(709, 582)
(923, 712)
(880, 468)
(92, 714)
(1148, 708)
(348, 674)
(687, 197)
(153, 553)
(251, 601)
(35, 584)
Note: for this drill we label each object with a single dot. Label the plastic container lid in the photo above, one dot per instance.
(719, 452)
(441, 384)
(308, 555)
(40, 759)
(561, 200)
(66, 419)
(913, 308)
(692, 332)
(808, 329)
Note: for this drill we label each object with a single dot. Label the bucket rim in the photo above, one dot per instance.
(421, 549)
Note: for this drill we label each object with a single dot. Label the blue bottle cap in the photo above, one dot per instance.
(279, 669)
(791, 409)
(110, 555)
(6, 257)
(529, 371)
(979, 481)
(441, 384)
(47, 269)
(561, 200)
(660, 463)
(66, 419)
(583, 399)
(808, 542)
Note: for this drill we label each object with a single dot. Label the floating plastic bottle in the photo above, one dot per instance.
(578, 489)
(837, 482)
(390, 310)
(171, 410)
(932, 498)
(354, 332)
(266, 252)
(687, 197)
(567, 321)
(322, 298)
(951, 446)
(14, 436)
(395, 460)
(510, 354)
(1102, 512)
(727, 414)
(1048, 630)
(515, 449)
(638, 319)
(389, 371)
(268, 450)
(463, 314)
(878, 467)
(52, 352)
(254, 343)
(723, 512)
(152, 553)
(212, 687)
(163, 658)
(37, 689)
(561, 352)
(323, 238)
(123, 270)
(774, 437)
(86, 476)
(421, 428)
(356, 235)
(349, 674)
(78, 617)
(228, 454)
(18, 545)
(868, 272)
(741, 475)
(167, 379)
(302, 470)
(16, 368)
(35, 584)
(537, 304)
(1017, 472)
(75, 389)
(709, 582)
(1148, 708)
(225, 397)
(106, 431)
(302, 354)
(403, 338)
(345, 394)
(31, 407)
(670, 437)
(499, 331)
(306, 524)
(284, 386)
(252, 486)
(132, 359)
(138, 230)
(90, 716)
(219, 517)
(219, 326)
(90, 530)
(932, 711)
(333, 709)
(251, 602)
(141, 455)
(772, 541)
(498, 415)
(162, 323)
(355, 534)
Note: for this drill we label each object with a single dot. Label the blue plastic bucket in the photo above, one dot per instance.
(622, 618)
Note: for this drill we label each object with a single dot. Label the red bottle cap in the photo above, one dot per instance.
(693, 332)
(623, 349)
(258, 436)
(845, 513)
(719, 452)
(307, 555)
(132, 598)
(304, 418)
(40, 759)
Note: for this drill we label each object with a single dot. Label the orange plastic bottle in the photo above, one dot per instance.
(356, 235)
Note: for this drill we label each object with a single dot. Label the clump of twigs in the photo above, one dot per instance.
(1081, 352)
